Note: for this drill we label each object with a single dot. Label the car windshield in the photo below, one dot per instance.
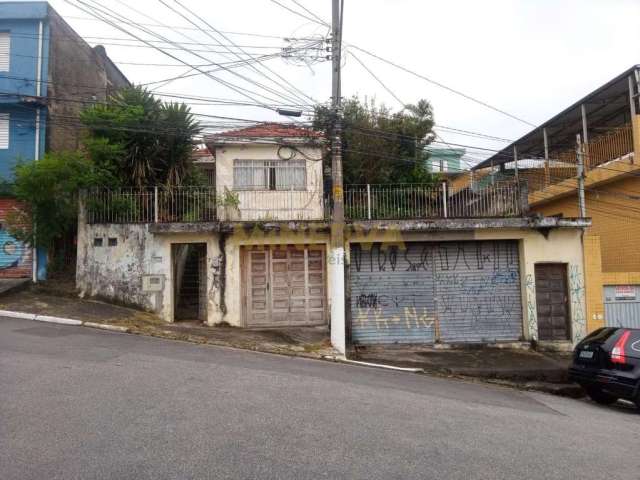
(601, 335)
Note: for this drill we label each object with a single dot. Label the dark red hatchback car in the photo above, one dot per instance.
(607, 365)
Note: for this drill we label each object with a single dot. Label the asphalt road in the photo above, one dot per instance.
(77, 403)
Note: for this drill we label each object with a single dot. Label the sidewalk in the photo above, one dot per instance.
(61, 301)
(522, 368)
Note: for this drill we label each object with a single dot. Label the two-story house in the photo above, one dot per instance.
(606, 123)
(424, 264)
(48, 73)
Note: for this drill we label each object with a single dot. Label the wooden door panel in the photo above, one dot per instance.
(286, 286)
(552, 302)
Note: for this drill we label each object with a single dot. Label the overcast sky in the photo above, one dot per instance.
(531, 58)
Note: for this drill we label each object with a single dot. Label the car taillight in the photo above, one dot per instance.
(617, 354)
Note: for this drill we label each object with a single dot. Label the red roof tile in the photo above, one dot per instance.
(270, 130)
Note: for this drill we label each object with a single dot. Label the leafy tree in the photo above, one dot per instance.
(142, 140)
(381, 146)
(48, 190)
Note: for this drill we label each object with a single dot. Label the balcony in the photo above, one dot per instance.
(611, 146)
(362, 202)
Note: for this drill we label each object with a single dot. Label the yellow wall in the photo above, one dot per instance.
(616, 220)
(611, 248)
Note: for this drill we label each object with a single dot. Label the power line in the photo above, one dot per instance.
(101, 15)
(441, 85)
(302, 15)
(292, 90)
(174, 27)
(322, 22)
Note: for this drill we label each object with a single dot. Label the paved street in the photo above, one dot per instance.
(77, 403)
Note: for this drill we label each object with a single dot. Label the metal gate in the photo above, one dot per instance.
(622, 305)
(423, 292)
(285, 286)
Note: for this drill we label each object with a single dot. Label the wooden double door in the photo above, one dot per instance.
(285, 286)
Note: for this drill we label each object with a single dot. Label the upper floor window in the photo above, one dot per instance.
(269, 175)
(5, 51)
(4, 131)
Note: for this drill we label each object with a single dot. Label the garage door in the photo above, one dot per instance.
(453, 291)
(622, 305)
(285, 286)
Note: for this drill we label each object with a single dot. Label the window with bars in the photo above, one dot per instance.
(269, 175)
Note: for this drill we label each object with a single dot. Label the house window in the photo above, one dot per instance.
(269, 174)
(5, 51)
(210, 174)
(4, 131)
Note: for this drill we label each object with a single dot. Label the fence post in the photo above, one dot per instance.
(155, 204)
(368, 201)
(444, 199)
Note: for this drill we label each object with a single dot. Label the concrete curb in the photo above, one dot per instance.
(380, 365)
(58, 320)
(106, 326)
(61, 321)
(10, 314)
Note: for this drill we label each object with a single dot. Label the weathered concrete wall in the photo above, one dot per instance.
(273, 205)
(116, 272)
(78, 76)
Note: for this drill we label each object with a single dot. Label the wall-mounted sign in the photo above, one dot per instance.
(625, 292)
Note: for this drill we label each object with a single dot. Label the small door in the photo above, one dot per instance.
(285, 286)
(552, 301)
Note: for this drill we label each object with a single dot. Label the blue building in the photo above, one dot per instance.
(48, 74)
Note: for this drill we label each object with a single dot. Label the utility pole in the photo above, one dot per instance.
(580, 157)
(336, 254)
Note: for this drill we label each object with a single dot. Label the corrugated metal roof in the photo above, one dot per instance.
(561, 128)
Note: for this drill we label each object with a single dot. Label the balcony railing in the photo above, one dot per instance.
(362, 202)
(415, 201)
(562, 165)
(151, 205)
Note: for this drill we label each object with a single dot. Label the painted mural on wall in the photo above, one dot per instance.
(577, 295)
(15, 257)
(450, 291)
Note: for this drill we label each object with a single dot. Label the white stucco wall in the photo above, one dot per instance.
(273, 205)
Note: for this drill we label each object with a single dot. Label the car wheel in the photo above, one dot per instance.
(598, 396)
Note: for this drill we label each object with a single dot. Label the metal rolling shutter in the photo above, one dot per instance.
(392, 294)
(454, 291)
(478, 291)
(622, 306)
